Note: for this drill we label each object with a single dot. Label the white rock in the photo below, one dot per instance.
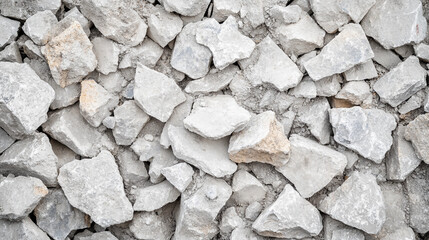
(355, 92)
(132, 170)
(286, 15)
(356, 9)
(246, 188)
(112, 82)
(107, 54)
(186, 8)
(224, 8)
(328, 86)
(22, 9)
(154, 197)
(416, 132)
(9, 29)
(417, 189)
(152, 225)
(253, 12)
(230, 221)
(147, 53)
(384, 57)
(11, 53)
(5, 140)
(179, 175)
(38, 26)
(212, 82)
(163, 26)
(422, 51)
(99, 236)
(75, 14)
(305, 89)
(329, 14)
(347, 234)
(361, 71)
(253, 210)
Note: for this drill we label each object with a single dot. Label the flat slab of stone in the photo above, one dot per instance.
(95, 187)
(246, 188)
(417, 132)
(107, 53)
(358, 202)
(329, 14)
(154, 197)
(361, 71)
(366, 131)
(349, 48)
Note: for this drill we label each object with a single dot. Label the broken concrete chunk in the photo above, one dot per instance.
(129, 121)
(215, 117)
(361, 71)
(38, 26)
(89, 182)
(401, 82)
(22, 9)
(311, 166)
(179, 175)
(417, 188)
(57, 217)
(290, 216)
(154, 197)
(224, 8)
(24, 229)
(24, 99)
(95, 102)
(152, 225)
(384, 57)
(5, 140)
(356, 9)
(107, 54)
(32, 156)
(147, 53)
(416, 132)
(70, 56)
(186, 8)
(315, 115)
(329, 14)
(358, 202)
(395, 23)
(163, 26)
(246, 188)
(366, 131)
(356, 92)
(224, 40)
(115, 20)
(211, 156)
(156, 93)
(263, 140)
(213, 82)
(19, 196)
(230, 221)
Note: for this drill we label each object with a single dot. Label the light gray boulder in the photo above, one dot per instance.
(99, 236)
(316, 116)
(252, 12)
(385, 57)
(147, 53)
(163, 26)
(132, 170)
(22, 9)
(75, 14)
(186, 8)
(356, 9)
(416, 132)
(153, 225)
(107, 53)
(38, 27)
(361, 71)
(9, 29)
(24, 229)
(246, 188)
(214, 81)
(154, 197)
(347, 234)
(11, 53)
(129, 121)
(179, 175)
(224, 8)
(355, 92)
(329, 14)
(422, 51)
(5, 140)
(417, 188)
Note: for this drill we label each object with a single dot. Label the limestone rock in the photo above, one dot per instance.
(5, 140)
(156, 93)
(212, 82)
(75, 14)
(417, 133)
(347, 234)
(262, 140)
(24, 99)
(252, 11)
(329, 14)
(290, 216)
(153, 225)
(224, 40)
(154, 197)
(22, 9)
(38, 26)
(401, 82)
(107, 53)
(395, 23)
(356, 9)
(417, 188)
(224, 8)
(413, 103)
(163, 26)
(422, 51)
(19, 196)
(24, 229)
(349, 48)
(215, 117)
(384, 57)
(328, 86)
(361, 71)
(11, 53)
(311, 166)
(147, 53)
(230, 221)
(244, 234)
(89, 182)
(9, 29)
(179, 175)
(356, 92)
(246, 188)
(358, 202)
(315, 115)
(253, 210)
(100, 236)
(305, 89)
(366, 131)
(70, 56)
(132, 170)
(211, 156)
(57, 217)
(115, 20)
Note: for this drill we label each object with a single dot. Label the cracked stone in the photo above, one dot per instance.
(212, 82)
(154, 197)
(356, 92)
(38, 26)
(416, 132)
(148, 53)
(361, 71)
(315, 115)
(246, 188)
(164, 26)
(329, 14)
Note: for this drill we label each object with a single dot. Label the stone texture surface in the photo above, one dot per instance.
(316, 116)
(329, 14)
(24, 229)
(107, 53)
(246, 188)
(153, 225)
(417, 133)
(179, 175)
(147, 53)
(164, 26)
(5, 140)
(156, 196)
(38, 26)
(214, 81)
(186, 8)
(417, 196)
(22, 9)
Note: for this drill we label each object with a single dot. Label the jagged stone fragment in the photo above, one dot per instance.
(99, 236)
(347, 234)
(23, 9)
(9, 29)
(179, 175)
(329, 14)
(11, 53)
(328, 86)
(186, 7)
(5, 140)
(147, 53)
(154, 197)
(422, 51)
(212, 82)
(361, 71)
(163, 26)
(132, 170)
(356, 9)
(417, 189)
(224, 8)
(38, 26)
(315, 115)
(153, 225)
(246, 188)
(252, 11)
(417, 133)
(24, 229)
(75, 14)
(107, 53)
(355, 92)
(385, 57)
(230, 221)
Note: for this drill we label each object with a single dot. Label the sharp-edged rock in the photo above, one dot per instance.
(38, 27)
(356, 92)
(107, 53)
(213, 81)
(154, 197)
(361, 71)
(246, 188)
(147, 53)
(186, 8)
(329, 14)
(417, 188)
(153, 225)
(417, 132)
(22, 9)
(24, 229)
(5, 140)
(315, 115)
(179, 175)
(163, 26)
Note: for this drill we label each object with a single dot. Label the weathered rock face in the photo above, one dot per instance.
(89, 182)
(22, 9)
(290, 216)
(417, 196)
(156, 196)
(262, 140)
(366, 131)
(38, 26)
(329, 14)
(24, 229)
(9, 30)
(147, 53)
(395, 23)
(358, 202)
(5, 140)
(179, 175)
(153, 225)
(186, 8)
(24, 99)
(164, 26)
(107, 54)
(417, 133)
(213, 81)
(315, 115)
(246, 188)
(355, 92)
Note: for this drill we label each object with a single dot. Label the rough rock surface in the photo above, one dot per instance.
(24, 229)
(164, 26)
(156, 196)
(419, 205)
(22, 9)
(213, 81)
(329, 14)
(246, 188)
(417, 133)
(179, 175)
(186, 8)
(153, 225)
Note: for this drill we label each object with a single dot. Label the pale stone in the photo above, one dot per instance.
(384, 57)
(329, 14)
(129, 121)
(253, 210)
(107, 53)
(38, 26)
(315, 115)
(417, 189)
(132, 170)
(75, 14)
(153, 225)
(356, 92)
(154, 197)
(305, 89)
(23, 9)
(347, 234)
(212, 82)
(417, 133)
(230, 221)
(179, 175)
(361, 71)
(9, 29)
(356, 9)
(422, 51)
(246, 188)
(11, 53)
(328, 86)
(147, 53)
(99, 236)
(5, 140)
(224, 8)
(253, 12)
(22, 230)
(186, 7)
(163, 26)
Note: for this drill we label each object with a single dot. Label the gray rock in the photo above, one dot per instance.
(132, 170)
(32, 156)
(75, 14)
(366, 131)
(305, 89)
(361, 71)
(115, 20)
(9, 29)
(286, 15)
(179, 175)
(315, 115)
(109, 122)
(311, 166)
(252, 12)
(355, 92)
(5, 140)
(24, 229)
(22, 9)
(401, 82)
(129, 121)
(417, 133)
(147, 53)
(212, 82)
(156, 93)
(287, 122)
(262, 140)
(11, 53)
(253, 210)
(329, 14)
(68, 127)
(63, 153)
(19, 196)
(349, 48)
(260, 68)
(70, 63)
(347, 234)
(244, 234)
(112, 82)
(163, 26)
(107, 53)
(331, 225)
(89, 182)
(155, 197)
(422, 51)
(395, 23)
(224, 8)
(224, 40)
(152, 225)
(57, 217)
(211, 156)
(38, 26)
(356, 9)
(32, 51)
(186, 8)
(328, 86)
(100, 236)
(215, 117)
(230, 221)
(358, 202)
(197, 212)
(290, 216)
(24, 99)
(417, 188)
(384, 57)
(246, 188)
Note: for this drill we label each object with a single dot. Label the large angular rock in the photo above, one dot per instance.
(215, 117)
(38, 26)
(262, 140)
(211, 156)
(205, 203)
(68, 127)
(224, 40)
(129, 121)
(385, 57)
(147, 53)
(212, 82)
(156, 93)
(246, 188)
(186, 7)
(32, 156)
(115, 20)
(23, 230)
(179, 175)
(395, 23)
(311, 166)
(356, 9)
(5, 140)
(24, 99)
(417, 186)
(163, 26)
(329, 14)
(155, 197)
(263, 66)
(57, 217)
(355, 92)
(95, 187)
(349, 48)
(315, 115)
(19, 196)
(107, 53)
(358, 202)
(401, 82)
(417, 133)
(70, 56)
(23, 9)
(290, 216)
(366, 131)
(153, 225)
(9, 29)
